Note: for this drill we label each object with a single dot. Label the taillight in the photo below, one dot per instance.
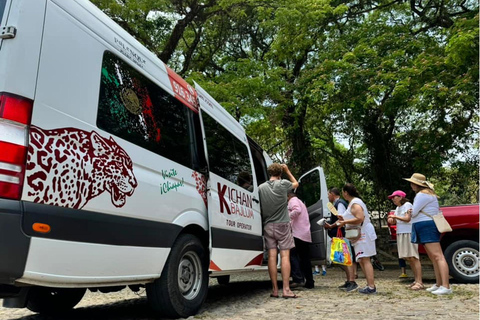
(15, 117)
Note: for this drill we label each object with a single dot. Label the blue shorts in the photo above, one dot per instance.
(425, 232)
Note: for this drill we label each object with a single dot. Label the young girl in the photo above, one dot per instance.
(406, 249)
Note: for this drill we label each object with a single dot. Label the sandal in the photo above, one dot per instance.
(417, 286)
(410, 285)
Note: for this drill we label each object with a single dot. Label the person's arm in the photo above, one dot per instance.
(357, 212)
(341, 209)
(290, 176)
(294, 209)
(407, 218)
(421, 200)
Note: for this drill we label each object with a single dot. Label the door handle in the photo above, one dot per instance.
(255, 200)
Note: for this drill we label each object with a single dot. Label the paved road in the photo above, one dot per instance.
(247, 297)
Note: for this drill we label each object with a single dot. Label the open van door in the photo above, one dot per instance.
(312, 190)
(235, 223)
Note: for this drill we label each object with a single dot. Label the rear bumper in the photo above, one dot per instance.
(14, 244)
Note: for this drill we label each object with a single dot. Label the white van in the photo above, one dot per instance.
(114, 171)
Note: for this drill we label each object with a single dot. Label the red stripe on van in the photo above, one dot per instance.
(214, 267)
(257, 261)
(183, 91)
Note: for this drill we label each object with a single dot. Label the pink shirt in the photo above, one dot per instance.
(299, 219)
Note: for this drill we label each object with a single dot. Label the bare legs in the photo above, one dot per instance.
(440, 266)
(416, 267)
(285, 268)
(367, 268)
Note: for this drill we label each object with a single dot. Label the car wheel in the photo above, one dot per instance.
(53, 301)
(182, 288)
(462, 258)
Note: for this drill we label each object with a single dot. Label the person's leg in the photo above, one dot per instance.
(305, 264)
(272, 269)
(435, 253)
(416, 267)
(403, 266)
(295, 262)
(367, 269)
(285, 265)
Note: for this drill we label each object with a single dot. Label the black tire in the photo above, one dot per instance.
(462, 258)
(377, 264)
(182, 288)
(223, 280)
(53, 301)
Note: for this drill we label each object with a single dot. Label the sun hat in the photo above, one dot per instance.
(420, 180)
(399, 193)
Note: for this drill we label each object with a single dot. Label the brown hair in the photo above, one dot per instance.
(275, 170)
(403, 201)
(351, 190)
(426, 190)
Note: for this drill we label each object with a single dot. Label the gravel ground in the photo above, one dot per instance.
(247, 297)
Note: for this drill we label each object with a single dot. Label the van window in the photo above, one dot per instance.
(134, 108)
(228, 157)
(3, 4)
(309, 188)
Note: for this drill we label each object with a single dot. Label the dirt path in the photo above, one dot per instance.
(247, 297)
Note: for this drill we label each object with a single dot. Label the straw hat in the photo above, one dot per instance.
(420, 180)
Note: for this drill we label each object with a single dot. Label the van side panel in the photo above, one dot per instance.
(97, 190)
(19, 56)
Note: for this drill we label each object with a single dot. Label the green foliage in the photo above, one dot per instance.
(372, 91)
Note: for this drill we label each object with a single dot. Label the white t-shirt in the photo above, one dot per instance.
(368, 230)
(424, 202)
(402, 226)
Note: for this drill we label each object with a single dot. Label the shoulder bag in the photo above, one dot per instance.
(353, 233)
(440, 221)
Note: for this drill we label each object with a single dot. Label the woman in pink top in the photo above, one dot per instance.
(299, 256)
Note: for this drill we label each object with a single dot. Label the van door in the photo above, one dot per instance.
(312, 190)
(235, 223)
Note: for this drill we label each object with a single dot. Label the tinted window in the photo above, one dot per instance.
(309, 188)
(228, 157)
(2, 8)
(136, 109)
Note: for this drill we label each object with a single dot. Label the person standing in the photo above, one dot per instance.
(300, 255)
(276, 224)
(341, 206)
(357, 215)
(406, 249)
(424, 230)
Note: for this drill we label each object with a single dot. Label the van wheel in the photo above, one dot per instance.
(223, 280)
(182, 288)
(462, 258)
(53, 301)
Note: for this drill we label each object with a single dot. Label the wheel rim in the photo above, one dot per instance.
(465, 261)
(190, 275)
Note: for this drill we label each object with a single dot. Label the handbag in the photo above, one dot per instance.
(440, 221)
(353, 233)
(340, 252)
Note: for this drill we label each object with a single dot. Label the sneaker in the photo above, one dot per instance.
(351, 286)
(433, 288)
(403, 275)
(315, 273)
(344, 286)
(442, 291)
(324, 273)
(368, 290)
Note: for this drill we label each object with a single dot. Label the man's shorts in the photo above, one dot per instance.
(425, 232)
(278, 235)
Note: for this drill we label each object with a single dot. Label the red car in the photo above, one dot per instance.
(459, 246)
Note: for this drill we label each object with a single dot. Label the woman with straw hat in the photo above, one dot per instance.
(406, 249)
(424, 230)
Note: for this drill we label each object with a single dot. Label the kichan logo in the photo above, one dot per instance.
(235, 202)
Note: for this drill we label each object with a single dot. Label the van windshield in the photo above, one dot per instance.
(3, 3)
